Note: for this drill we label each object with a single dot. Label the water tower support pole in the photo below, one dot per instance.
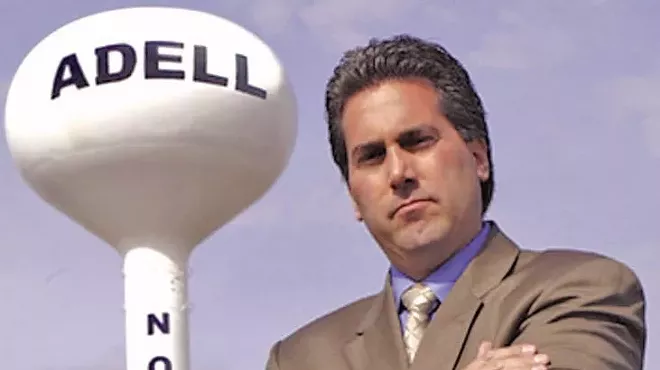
(156, 306)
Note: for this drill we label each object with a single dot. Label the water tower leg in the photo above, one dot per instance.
(157, 336)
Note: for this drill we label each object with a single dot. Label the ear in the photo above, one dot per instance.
(356, 208)
(479, 150)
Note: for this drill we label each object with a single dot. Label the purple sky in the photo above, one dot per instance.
(572, 91)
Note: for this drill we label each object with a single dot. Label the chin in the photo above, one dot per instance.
(416, 236)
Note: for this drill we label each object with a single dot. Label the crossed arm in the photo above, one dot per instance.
(590, 321)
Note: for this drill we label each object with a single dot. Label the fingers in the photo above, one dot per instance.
(506, 352)
(518, 357)
(484, 349)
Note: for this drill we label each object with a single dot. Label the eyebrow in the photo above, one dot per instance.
(416, 132)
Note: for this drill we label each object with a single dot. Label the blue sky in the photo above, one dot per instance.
(571, 89)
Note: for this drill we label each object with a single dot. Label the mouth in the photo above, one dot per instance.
(408, 203)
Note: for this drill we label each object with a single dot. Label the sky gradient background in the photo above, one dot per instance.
(572, 91)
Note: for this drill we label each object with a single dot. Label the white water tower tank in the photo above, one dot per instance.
(151, 128)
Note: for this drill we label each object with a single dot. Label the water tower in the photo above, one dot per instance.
(151, 128)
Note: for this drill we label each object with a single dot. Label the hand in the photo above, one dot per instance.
(519, 357)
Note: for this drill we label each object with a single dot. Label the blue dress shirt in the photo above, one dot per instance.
(441, 280)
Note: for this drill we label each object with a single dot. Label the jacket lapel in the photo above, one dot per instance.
(377, 344)
(444, 340)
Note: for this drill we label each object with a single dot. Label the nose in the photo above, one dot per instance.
(401, 175)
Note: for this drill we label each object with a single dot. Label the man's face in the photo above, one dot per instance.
(414, 181)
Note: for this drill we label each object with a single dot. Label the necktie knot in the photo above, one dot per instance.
(419, 299)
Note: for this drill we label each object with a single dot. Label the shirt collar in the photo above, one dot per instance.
(442, 280)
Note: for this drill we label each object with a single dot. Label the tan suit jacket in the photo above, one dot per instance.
(585, 311)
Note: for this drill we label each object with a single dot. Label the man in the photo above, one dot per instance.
(408, 133)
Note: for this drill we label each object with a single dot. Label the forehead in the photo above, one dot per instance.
(388, 109)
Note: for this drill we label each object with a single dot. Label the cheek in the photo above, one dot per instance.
(366, 193)
(453, 171)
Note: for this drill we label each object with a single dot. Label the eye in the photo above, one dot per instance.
(371, 155)
(423, 139)
(417, 141)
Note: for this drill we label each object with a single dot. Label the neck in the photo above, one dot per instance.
(421, 262)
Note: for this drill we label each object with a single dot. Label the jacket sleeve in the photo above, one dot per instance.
(592, 318)
(272, 363)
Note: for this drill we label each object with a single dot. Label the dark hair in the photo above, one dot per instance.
(405, 56)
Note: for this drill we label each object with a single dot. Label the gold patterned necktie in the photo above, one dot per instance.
(419, 300)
